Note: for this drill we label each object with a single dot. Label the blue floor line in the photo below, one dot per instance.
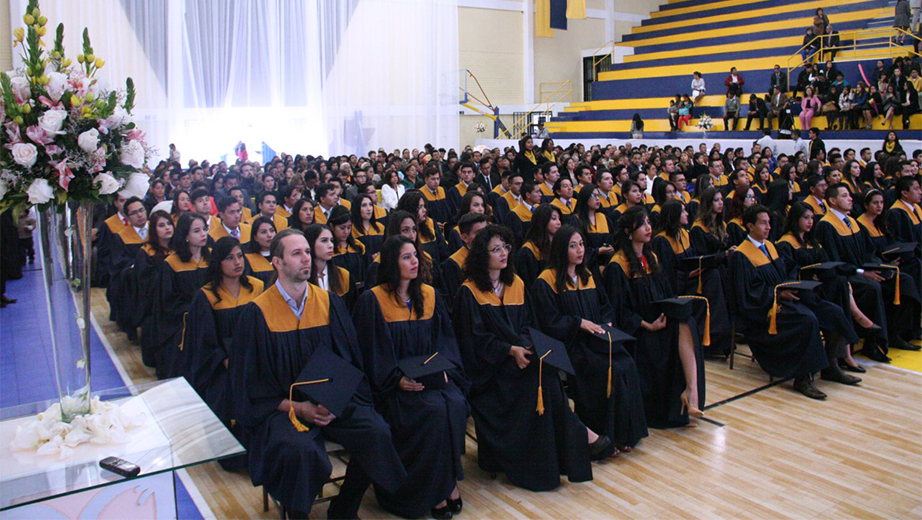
(27, 363)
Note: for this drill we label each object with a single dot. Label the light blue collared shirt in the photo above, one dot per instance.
(295, 307)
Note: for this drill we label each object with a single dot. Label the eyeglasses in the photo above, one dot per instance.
(497, 250)
(596, 195)
(136, 212)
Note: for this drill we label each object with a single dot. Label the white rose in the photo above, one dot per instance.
(22, 91)
(25, 154)
(118, 118)
(4, 188)
(40, 191)
(57, 84)
(52, 121)
(108, 183)
(88, 141)
(132, 154)
(136, 186)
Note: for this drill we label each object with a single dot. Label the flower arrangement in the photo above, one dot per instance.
(705, 123)
(480, 128)
(67, 136)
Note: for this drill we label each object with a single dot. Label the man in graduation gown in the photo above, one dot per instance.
(458, 191)
(105, 241)
(779, 325)
(904, 221)
(437, 204)
(279, 333)
(126, 245)
(453, 267)
(519, 219)
(875, 294)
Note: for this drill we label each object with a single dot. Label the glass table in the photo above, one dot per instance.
(180, 431)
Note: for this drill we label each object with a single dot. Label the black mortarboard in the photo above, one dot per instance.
(824, 271)
(426, 370)
(610, 336)
(328, 380)
(551, 351)
(675, 308)
(699, 262)
(900, 250)
(886, 271)
(804, 285)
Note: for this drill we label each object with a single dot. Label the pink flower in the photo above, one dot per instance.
(64, 174)
(37, 135)
(12, 130)
(49, 103)
(53, 149)
(135, 135)
(99, 160)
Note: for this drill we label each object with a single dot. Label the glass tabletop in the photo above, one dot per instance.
(180, 431)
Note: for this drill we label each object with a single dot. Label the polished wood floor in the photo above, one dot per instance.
(768, 454)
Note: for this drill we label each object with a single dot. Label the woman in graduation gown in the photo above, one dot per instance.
(492, 325)
(671, 245)
(668, 351)
(472, 202)
(743, 197)
(183, 275)
(145, 275)
(365, 226)
(573, 308)
(595, 226)
(709, 232)
(256, 251)
(430, 235)
(564, 201)
(404, 224)
(214, 317)
(349, 253)
(631, 195)
(405, 318)
(324, 271)
(302, 215)
(531, 259)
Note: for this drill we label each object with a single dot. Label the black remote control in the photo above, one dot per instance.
(120, 466)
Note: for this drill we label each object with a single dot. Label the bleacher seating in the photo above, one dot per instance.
(711, 36)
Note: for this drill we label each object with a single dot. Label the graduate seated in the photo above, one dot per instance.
(780, 324)
(531, 259)
(452, 269)
(324, 271)
(348, 253)
(406, 327)
(281, 335)
(145, 279)
(256, 251)
(436, 199)
(519, 219)
(366, 228)
(125, 247)
(493, 318)
(229, 222)
(104, 241)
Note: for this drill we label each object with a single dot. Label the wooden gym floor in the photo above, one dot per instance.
(763, 451)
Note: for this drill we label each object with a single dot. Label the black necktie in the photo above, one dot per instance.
(822, 206)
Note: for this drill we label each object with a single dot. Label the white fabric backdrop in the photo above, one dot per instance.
(312, 76)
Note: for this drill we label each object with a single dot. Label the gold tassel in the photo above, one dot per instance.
(773, 314)
(896, 292)
(706, 339)
(609, 364)
(540, 407)
(700, 276)
(801, 270)
(291, 409)
(182, 338)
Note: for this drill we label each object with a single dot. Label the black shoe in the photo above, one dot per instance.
(835, 374)
(441, 513)
(455, 505)
(901, 344)
(848, 368)
(870, 332)
(804, 385)
(7, 301)
(599, 446)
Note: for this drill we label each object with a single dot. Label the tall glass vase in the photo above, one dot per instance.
(65, 246)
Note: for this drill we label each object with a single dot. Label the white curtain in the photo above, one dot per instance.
(311, 76)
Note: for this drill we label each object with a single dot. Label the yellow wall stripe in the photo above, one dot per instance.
(717, 49)
(704, 7)
(662, 125)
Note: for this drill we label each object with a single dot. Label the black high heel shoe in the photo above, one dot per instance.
(455, 505)
(441, 513)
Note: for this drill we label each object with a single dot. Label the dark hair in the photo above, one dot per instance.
(713, 222)
(213, 274)
(199, 193)
(394, 221)
(357, 224)
(738, 202)
(339, 215)
(410, 203)
(224, 202)
(629, 222)
(152, 239)
(312, 233)
(261, 197)
(324, 188)
(179, 244)
(389, 272)
(276, 250)
(294, 221)
(285, 191)
(880, 221)
(659, 190)
(669, 216)
(833, 191)
(131, 200)
(559, 258)
(465, 206)
(176, 192)
(792, 224)
(252, 246)
(751, 215)
(476, 267)
(902, 184)
(537, 233)
(467, 222)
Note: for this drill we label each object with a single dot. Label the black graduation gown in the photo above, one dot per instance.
(372, 240)
(454, 239)
(735, 232)
(519, 221)
(428, 427)
(105, 244)
(259, 266)
(436, 246)
(208, 337)
(270, 349)
(670, 253)
(371, 276)
(437, 206)
(119, 290)
(532, 449)
(453, 273)
(797, 348)
(145, 284)
(621, 415)
(906, 226)
(352, 259)
(662, 379)
(179, 281)
(529, 263)
(876, 300)
(597, 235)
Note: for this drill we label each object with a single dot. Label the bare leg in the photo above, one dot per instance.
(860, 318)
(690, 368)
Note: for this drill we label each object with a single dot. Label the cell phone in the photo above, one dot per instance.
(120, 467)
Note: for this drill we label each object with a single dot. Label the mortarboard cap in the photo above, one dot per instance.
(699, 262)
(887, 271)
(610, 336)
(824, 271)
(422, 369)
(900, 250)
(804, 285)
(551, 351)
(675, 308)
(328, 380)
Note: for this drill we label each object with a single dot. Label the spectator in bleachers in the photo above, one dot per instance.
(778, 101)
(891, 105)
(901, 18)
(758, 108)
(846, 112)
(805, 79)
(897, 79)
(685, 111)
(809, 46)
(731, 110)
(839, 82)
(778, 79)
(820, 22)
(673, 112)
(879, 70)
(734, 82)
(875, 104)
(882, 83)
(809, 106)
(833, 40)
(698, 87)
(830, 108)
(909, 103)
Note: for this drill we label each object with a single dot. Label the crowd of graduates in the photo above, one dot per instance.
(636, 262)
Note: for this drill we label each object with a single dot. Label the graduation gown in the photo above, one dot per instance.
(372, 239)
(437, 206)
(207, 339)
(352, 259)
(435, 245)
(656, 354)
(179, 281)
(597, 235)
(371, 276)
(105, 244)
(455, 194)
(620, 416)
(453, 272)
(428, 427)
(519, 221)
(529, 263)
(259, 266)
(905, 225)
(670, 252)
(119, 290)
(797, 348)
(532, 449)
(145, 284)
(736, 233)
(270, 349)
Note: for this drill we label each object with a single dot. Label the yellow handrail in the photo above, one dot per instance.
(600, 59)
(892, 49)
(548, 98)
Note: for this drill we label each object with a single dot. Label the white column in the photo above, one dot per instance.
(528, 56)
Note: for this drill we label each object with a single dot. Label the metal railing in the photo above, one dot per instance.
(859, 40)
(605, 60)
(549, 94)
